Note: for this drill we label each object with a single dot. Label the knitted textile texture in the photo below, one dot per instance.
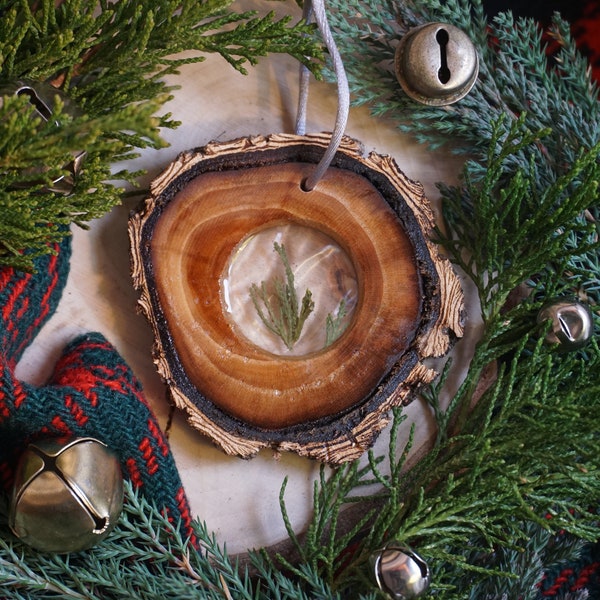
(92, 392)
(571, 576)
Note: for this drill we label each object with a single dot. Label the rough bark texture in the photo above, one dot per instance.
(328, 404)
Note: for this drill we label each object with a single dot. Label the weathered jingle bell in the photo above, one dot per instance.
(400, 572)
(436, 64)
(572, 323)
(67, 495)
(42, 97)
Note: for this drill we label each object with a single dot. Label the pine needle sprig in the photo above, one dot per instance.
(111, 59)
(581, 90)
(74, 37)
(257, 37)
(502, 462)
(539, 223)
(515, 75)
(145, 558)
(34, 153)
(320, 547)
(277, 304)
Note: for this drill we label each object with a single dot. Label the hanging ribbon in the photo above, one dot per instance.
(316, 8)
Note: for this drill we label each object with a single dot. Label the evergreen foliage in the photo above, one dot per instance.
(282, 315)
(145, 558)
(110, 58)
(521, 76)
(511, 484)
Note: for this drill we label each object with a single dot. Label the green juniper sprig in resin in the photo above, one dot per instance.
(335, 325)
(282, 314)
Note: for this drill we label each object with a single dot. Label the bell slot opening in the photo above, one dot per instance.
(442, 39)
(35, 101)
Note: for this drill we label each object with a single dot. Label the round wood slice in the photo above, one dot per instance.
(209, 241)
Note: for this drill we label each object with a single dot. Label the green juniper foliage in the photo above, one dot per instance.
(525, 454)
(164, 566)
(510, 485)
(277, 306)
(518, 78)
(335, 325)
(278, 309)
(110, 58)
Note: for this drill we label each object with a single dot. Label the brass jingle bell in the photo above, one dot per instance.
(436, 64)
(572, 323)
(67, 495)
(400, 572)
(42, 97)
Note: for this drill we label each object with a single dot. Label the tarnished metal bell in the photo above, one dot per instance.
(67, 495)
(436, 64)
(572, 323)
(400, 572)
(42, 97)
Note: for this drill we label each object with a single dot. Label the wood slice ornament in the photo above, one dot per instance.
(286, 318)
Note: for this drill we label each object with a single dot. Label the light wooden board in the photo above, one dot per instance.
(238, 499)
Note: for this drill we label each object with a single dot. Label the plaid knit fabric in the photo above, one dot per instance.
(572, 576)
(92, 392)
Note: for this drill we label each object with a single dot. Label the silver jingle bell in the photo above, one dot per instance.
(67, 495)
(436, 64)
(572, 323)
(400, 572)
(42, 97)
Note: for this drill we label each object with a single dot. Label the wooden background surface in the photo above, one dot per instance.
(238, 499)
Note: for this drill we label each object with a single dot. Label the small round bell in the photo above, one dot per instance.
(42, 97)
(436, 64)
(400, 572)
(572, 323)
(67, 495)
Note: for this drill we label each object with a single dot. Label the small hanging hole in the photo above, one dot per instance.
(442, 39)
(35, 101)
(304, 187)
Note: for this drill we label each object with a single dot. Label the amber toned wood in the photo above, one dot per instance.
(330, 404)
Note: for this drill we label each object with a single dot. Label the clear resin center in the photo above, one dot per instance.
(290, 289)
